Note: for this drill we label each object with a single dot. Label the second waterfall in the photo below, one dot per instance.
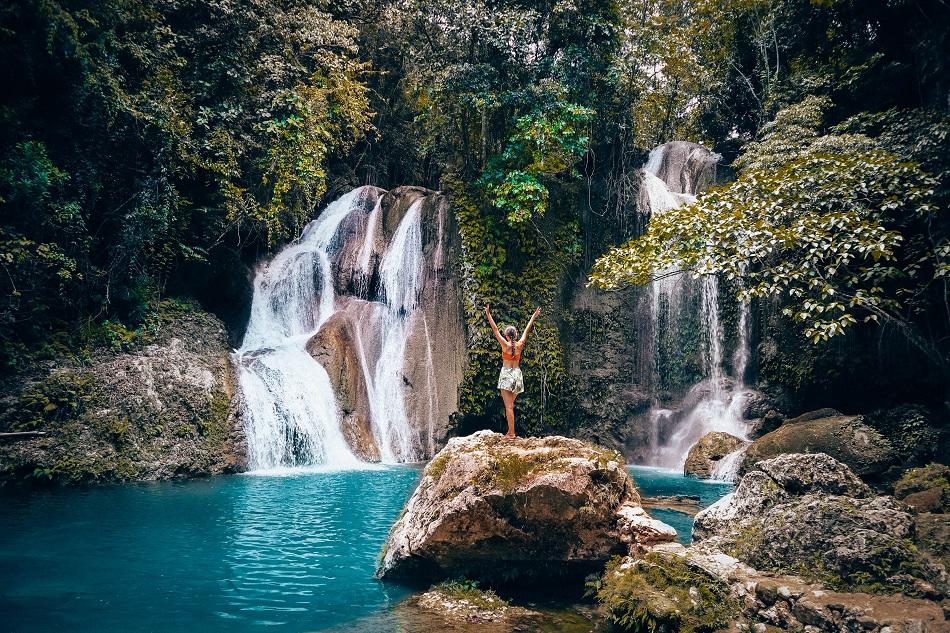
(354, 330)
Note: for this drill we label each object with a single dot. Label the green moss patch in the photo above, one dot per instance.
(662, 593)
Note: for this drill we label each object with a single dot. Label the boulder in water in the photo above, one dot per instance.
(705, 455)
(846, 438)
(490, 508)
(811, 515)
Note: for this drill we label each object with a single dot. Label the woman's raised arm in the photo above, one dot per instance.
(494, 328)
(527, 328)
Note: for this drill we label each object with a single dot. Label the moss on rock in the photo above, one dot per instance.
(160, 405)
(664, 593)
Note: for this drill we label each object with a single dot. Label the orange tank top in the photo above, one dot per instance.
(506, 356)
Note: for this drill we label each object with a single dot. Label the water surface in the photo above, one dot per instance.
(657, 482)
(237, 553)
(288, 553)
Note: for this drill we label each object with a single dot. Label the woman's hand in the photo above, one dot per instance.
(487, 310)
(537, 313)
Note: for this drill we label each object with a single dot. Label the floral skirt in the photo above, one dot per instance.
(510, 379)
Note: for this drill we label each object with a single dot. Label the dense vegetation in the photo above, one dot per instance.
(149, 147)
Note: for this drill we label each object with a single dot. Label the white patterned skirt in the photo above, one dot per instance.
(510, 379)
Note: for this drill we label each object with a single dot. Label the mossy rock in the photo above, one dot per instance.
(926, 489)
(664, 593)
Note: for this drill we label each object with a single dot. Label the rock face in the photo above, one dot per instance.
(708, 452)
(846, 438)
(810, 514)
(166, 409)
(488, 508)
(351, 342)
(336, 347)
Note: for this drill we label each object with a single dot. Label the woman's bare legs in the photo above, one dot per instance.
(509, 399)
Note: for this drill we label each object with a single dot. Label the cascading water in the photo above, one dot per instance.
(400, 276)
(715, 402)
(292, 417)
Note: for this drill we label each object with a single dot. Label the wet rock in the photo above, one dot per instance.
(337, 346)
(846, 438)
(166, 409)
(810, 514)
(434, 356)
(538, 507)
(703, 457)
(687, 504)
(687, 167)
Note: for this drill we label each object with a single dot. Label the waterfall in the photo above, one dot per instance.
(399, 276)
(291, 414)
(728, 467)
(715, 402)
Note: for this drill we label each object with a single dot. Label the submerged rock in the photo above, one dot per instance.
(846, 438)
(490, 508)
(810, 515)
(703, 457)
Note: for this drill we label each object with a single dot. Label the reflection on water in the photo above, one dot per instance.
(242, 553)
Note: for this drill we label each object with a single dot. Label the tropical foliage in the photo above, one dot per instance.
(157, 147)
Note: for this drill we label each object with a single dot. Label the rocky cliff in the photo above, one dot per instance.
(164, 409)
(349, 344)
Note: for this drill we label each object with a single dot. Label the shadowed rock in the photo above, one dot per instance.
(846, 438)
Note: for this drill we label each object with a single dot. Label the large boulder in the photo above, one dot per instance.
(705, 455)
(490, 508)
(846, 438)
(811, 515)
(164, 406)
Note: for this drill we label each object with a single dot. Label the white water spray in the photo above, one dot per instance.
(715, 403)
(292, 418)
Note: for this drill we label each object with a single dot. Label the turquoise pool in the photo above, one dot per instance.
(286, 553)
(238, 553)
(655, 482)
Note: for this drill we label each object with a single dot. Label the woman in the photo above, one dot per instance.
(510, 380)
